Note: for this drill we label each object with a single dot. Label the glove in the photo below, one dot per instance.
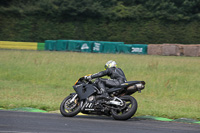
(88, 78)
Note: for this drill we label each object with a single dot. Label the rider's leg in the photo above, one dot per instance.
(104, 93)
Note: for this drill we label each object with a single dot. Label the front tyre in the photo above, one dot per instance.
(69, 108)
(127, 111)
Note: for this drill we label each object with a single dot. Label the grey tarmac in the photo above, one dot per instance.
(27, 122)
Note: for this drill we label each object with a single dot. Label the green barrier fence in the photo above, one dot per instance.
(111, 47)
(86, 46)
(50, 45)
(74, 45)
(139, 49)
(93, 46)
(125, 48)
(61, 45)
(132, 48)
(97, 47)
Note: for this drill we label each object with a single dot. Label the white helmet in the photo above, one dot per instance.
(110, 64)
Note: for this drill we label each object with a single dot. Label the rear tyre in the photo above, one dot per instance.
(68, 109)
(128, 111)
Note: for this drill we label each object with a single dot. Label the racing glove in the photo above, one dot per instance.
(88, 78)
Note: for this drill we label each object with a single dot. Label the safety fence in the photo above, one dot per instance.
(106, 47)
(95, 46)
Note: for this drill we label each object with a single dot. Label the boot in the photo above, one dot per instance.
(104, 95)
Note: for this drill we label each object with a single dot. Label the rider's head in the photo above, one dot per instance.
(110, 64)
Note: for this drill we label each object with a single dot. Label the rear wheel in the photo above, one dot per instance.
(127, 111)
(70, 108)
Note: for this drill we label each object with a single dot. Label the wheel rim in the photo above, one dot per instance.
(70, 107)
(124, 110)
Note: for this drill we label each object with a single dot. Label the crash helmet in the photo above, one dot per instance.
(110, 64)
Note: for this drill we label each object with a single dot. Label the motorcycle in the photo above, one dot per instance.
(120, 105)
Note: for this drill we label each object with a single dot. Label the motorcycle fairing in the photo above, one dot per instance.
(84, 90)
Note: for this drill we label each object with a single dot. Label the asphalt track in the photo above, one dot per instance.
(29, 122)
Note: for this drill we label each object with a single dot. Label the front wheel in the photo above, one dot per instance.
(69, 107)
(128, 111)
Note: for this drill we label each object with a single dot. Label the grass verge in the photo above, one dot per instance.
(42, 79)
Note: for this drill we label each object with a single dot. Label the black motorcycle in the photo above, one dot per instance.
(88, 100)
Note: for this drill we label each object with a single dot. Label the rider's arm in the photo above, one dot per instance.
(100, 74)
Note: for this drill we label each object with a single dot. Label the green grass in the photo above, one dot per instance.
(42, 79)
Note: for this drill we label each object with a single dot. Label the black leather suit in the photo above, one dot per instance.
(116, 74)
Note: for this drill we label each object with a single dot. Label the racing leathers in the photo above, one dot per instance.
(116, 75)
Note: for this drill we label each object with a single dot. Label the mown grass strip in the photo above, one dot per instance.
(154, 118)
(184, 120)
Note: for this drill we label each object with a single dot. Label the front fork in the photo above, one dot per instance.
(74, 97)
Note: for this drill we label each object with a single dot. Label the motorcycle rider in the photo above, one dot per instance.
(116, 75)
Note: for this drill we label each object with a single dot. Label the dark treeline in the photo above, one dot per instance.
(130, 21)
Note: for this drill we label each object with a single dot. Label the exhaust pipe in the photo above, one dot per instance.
(132, 89)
